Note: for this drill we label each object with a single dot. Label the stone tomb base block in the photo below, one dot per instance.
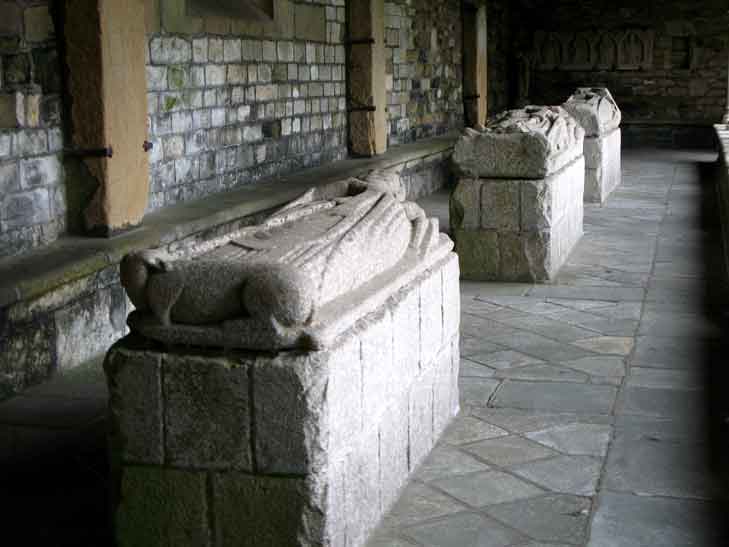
(602, 166)
(518, 230)
(598, 114)
(288, 448)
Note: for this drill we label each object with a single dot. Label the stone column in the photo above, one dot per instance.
(105, 56)
(366, 72)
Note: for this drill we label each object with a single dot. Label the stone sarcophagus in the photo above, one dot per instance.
(596, 111)
(279, 388)
(517, 210)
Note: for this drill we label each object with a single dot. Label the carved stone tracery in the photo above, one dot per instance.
(629, 49)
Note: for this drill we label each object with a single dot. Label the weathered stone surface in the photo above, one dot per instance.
(595, 110)
(265, 511)
(344, 395)
(204, 397)
(478, 253)
(163, 507)
(465, 205)
(451, 299)
(533, 142)
(393, 447)
(500, 206)
(420, 431)
(291, 413)
(362, 488)
(89, 326)
(602, 166)
(527, 227)
(283, 283)
(309, 22)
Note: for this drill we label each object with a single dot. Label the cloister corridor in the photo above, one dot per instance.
(587, 403)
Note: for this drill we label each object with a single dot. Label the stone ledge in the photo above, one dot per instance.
(73, 257)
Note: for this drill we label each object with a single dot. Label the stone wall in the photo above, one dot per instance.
(32, 190)
(500, 57)
(231, 102)
(424, 70)
(664, 61)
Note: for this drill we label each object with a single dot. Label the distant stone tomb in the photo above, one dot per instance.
(280, 388)
(517, 210)
(596, 111)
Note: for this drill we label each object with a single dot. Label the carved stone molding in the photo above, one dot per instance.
(628, 49)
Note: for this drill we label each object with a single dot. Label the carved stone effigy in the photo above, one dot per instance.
(596, 111)
(279, 388)
(517, 210)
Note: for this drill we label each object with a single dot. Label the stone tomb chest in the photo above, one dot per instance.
(279, 389)
(517, 210)
(596, 111)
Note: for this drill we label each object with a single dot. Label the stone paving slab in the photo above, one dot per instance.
(626, 520)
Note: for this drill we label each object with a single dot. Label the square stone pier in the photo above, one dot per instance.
(596, 111)
(295, 432)
(517, 210)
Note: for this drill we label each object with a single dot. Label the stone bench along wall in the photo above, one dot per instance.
(517, 210)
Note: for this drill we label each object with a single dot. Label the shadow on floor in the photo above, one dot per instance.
(716, 350)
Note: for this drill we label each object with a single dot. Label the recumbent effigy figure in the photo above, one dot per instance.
(290, 281)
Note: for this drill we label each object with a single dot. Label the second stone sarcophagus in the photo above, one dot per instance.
(279, 388)
(517, 210)
(596, 111)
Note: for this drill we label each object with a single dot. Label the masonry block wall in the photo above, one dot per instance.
(500, 56)
(232, 102)
(424, 68)
(32, 190)
(664, 61)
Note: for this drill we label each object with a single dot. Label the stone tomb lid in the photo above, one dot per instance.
(299, 279)
(595, 110)
(531, 142)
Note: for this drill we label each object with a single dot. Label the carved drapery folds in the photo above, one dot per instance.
(630, 49)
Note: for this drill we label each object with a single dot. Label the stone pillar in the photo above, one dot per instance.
(517, 211)
(475, 64)
(105, 56)
(596, 111)
(366, 74)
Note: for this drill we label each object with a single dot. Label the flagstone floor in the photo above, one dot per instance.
(587, 403)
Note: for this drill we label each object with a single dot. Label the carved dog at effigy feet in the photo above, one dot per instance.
(267, 283)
